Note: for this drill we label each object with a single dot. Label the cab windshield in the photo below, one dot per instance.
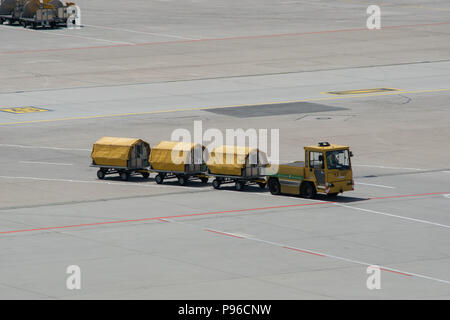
(338, 159)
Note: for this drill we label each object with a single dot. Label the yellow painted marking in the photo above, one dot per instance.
(222, 107)
(362, 91)
(23, 110)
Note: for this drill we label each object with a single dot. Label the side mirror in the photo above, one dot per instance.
(351, 154)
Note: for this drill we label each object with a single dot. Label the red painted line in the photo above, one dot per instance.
(224, 233)
(402, 273)
(410, 195)
(226, 38)
(205, 213)
(304, 251)
(159, 218)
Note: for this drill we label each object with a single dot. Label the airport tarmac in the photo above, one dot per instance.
(230, 64)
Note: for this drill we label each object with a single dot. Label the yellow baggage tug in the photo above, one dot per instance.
(125, 156)
(238, 165)
(326, 170)
(173, 159)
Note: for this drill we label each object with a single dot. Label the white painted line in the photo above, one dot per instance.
(352, 261)
(243, 236)
(142, 32)
(130, 184)
(385, 167)
(40, 147)
(395, 216)
(66, 35)
(49, 163)
(375, 185)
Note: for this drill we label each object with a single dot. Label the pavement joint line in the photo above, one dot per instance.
(47, 163)
(394, 215)
(219, 77)
(255, 105)
(41, 147)
(248, 37)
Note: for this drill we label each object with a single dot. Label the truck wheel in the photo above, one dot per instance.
(159, 178)
(216, 184)
(274, 187)
(145, 175)
(182, 180)
(308, 190)
(239, 185)
(101, 174)
(124, 176)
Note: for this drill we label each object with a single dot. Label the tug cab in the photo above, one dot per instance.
(326, 170)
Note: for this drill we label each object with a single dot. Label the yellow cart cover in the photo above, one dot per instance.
(114, 152)
(230, 160)
(172, 156)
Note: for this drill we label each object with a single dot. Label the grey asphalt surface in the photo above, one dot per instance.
(231, 64)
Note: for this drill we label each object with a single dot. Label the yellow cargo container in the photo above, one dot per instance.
(181, 160)
(124, 156)
(236, 164)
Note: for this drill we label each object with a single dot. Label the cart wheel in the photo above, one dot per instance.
(159, 178)
(145, 175)
(124, 176)
(239, 185)
(216, 184)
(262, 185)
(101, 174)
(274, 186)
(182, 180)
(204, 180)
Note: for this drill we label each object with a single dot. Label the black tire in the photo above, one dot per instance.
(124, 176)
(145, 175)
(101, 174)
(159, 178)
(308, 190)
(239, 185)
(204, 180)
(274, 186)
(182, 180)
(262, 185)
(216, 184)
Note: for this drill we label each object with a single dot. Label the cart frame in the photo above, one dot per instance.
(182, 176)
(239, 181)
(123, 172)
